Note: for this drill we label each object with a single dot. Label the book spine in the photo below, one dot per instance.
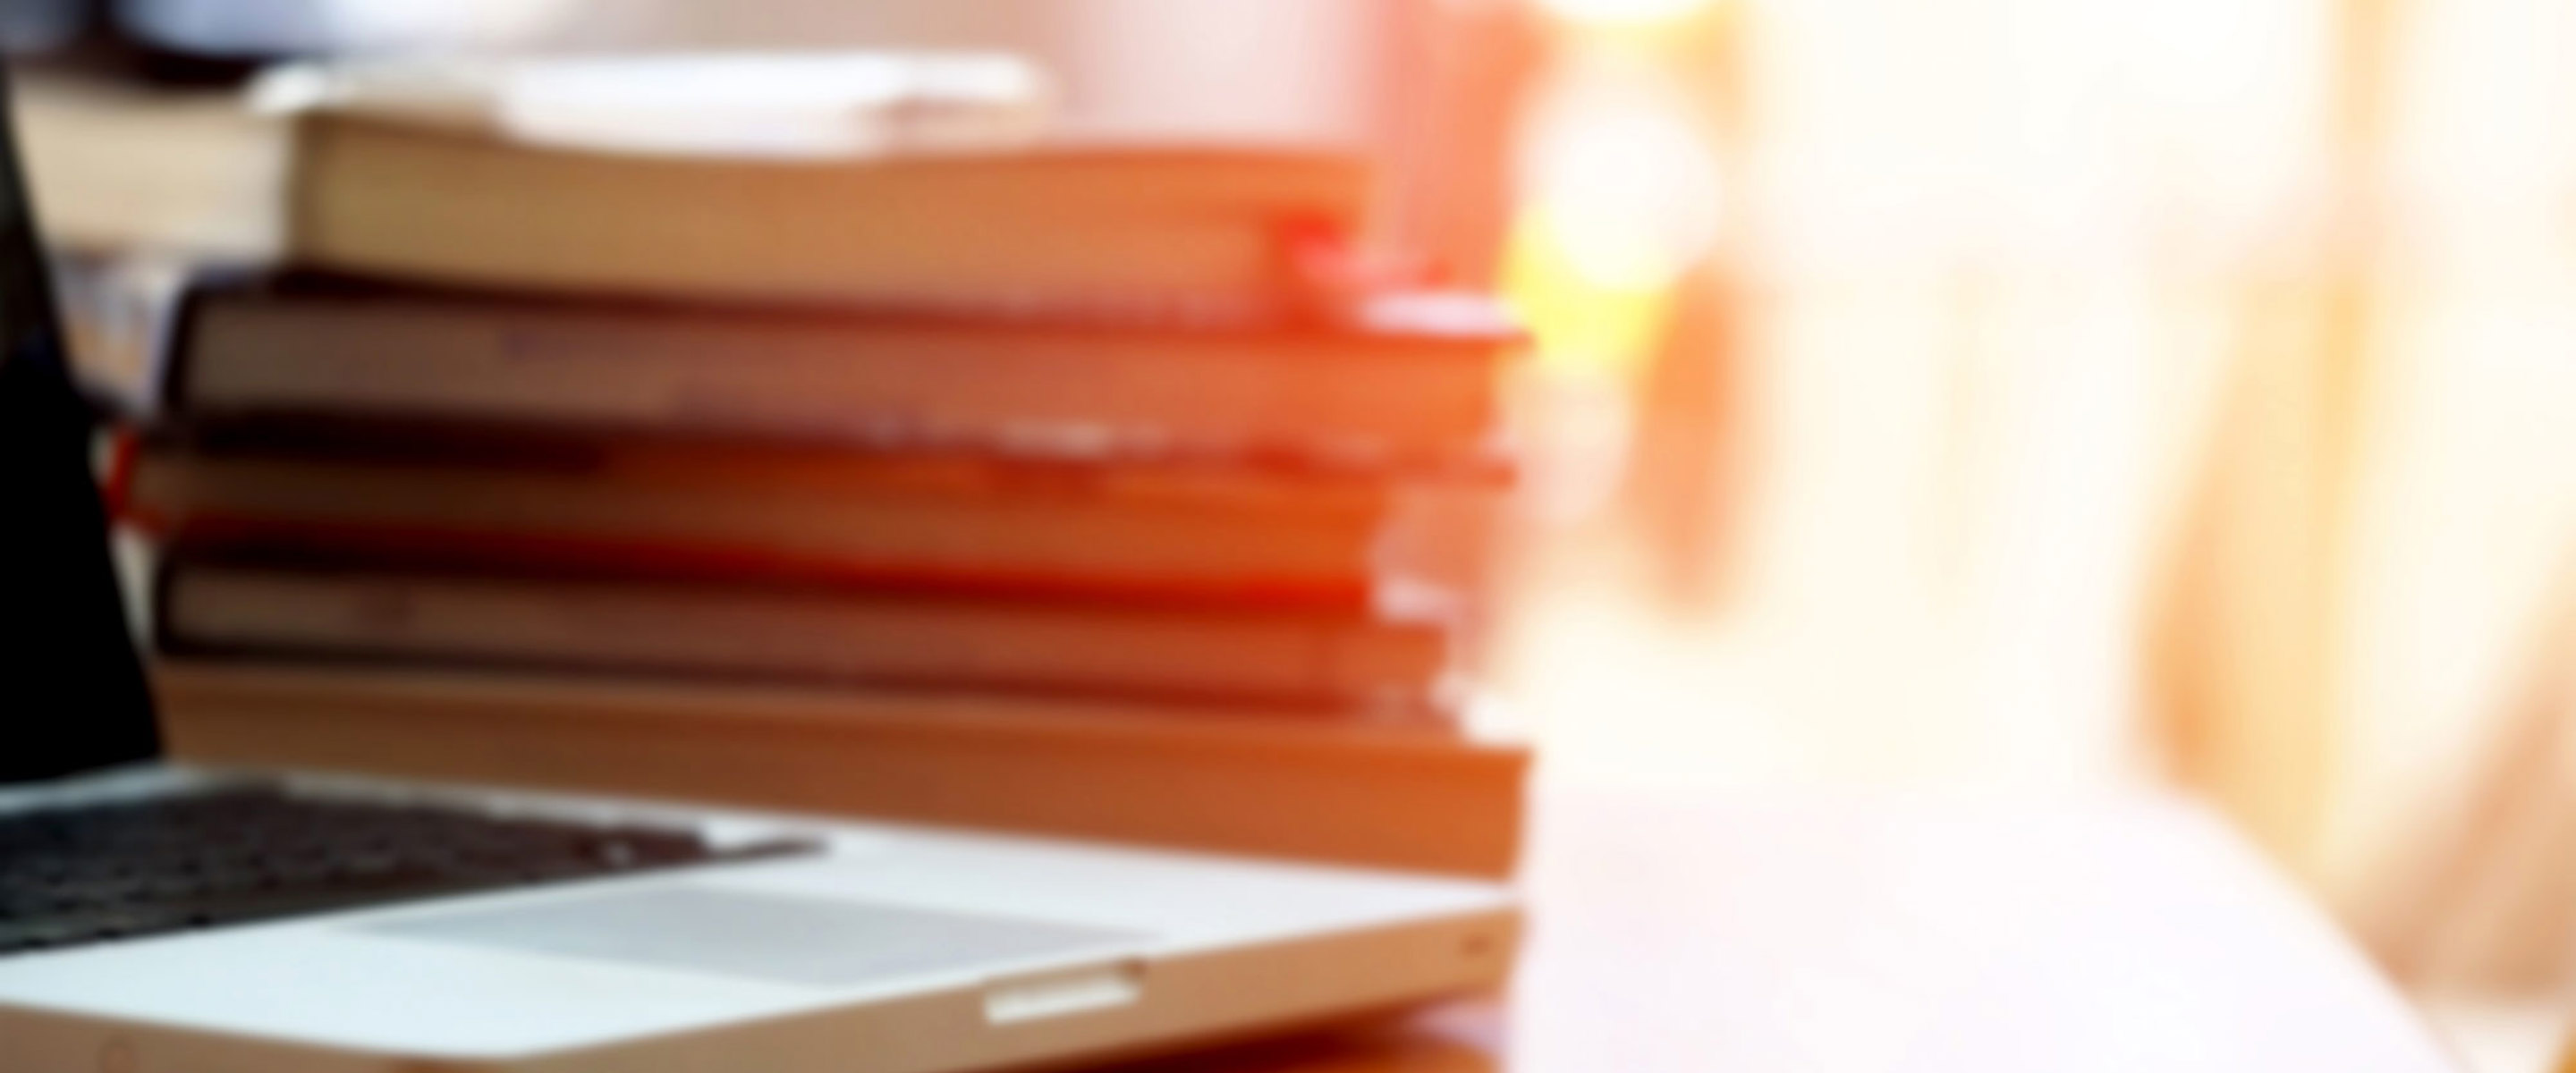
(790, 634)
(1352, 586)
(1373, 798)
(1068, 542)
(802, 379)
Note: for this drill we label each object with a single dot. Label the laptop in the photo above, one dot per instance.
(157, 917)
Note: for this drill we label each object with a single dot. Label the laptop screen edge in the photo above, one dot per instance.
(73, 692)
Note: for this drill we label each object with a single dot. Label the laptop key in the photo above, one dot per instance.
(260, 853)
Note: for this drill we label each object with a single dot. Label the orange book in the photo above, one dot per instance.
(1353, 791)
(1388, 661)
(931, 520)
(1401, 377)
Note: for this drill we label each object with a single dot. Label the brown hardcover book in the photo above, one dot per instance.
(1395, 796)
(927, 520)
(1280, 655)
(465, 204)
(1407, 377)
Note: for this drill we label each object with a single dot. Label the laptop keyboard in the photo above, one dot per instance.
(197, 860)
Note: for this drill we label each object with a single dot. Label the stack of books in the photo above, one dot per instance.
(1052, 488)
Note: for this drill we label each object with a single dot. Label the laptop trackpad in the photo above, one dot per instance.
(772, 938)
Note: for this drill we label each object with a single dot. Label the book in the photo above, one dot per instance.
(775, 104)
(124, 170)
(1389, 662)
(376, 193)
(938, 520)
(1427, 798)
(1409, 377)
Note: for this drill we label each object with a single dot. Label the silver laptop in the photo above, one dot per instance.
(157, 918)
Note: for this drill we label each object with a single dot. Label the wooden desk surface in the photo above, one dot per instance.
(1887, 935)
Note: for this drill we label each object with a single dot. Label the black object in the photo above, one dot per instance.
(258, 852)
(146, 41)
(72, 690)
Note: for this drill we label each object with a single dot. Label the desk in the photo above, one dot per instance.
(1884, 935)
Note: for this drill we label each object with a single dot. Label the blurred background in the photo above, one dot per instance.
(1982, 397)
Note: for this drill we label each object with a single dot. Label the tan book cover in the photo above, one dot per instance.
(378, 194)
(1209, 778)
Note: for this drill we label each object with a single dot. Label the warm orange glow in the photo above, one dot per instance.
(1627, 193)
(2018, 284)
(1621, 194)
(1581, 321)
(1623, 12)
